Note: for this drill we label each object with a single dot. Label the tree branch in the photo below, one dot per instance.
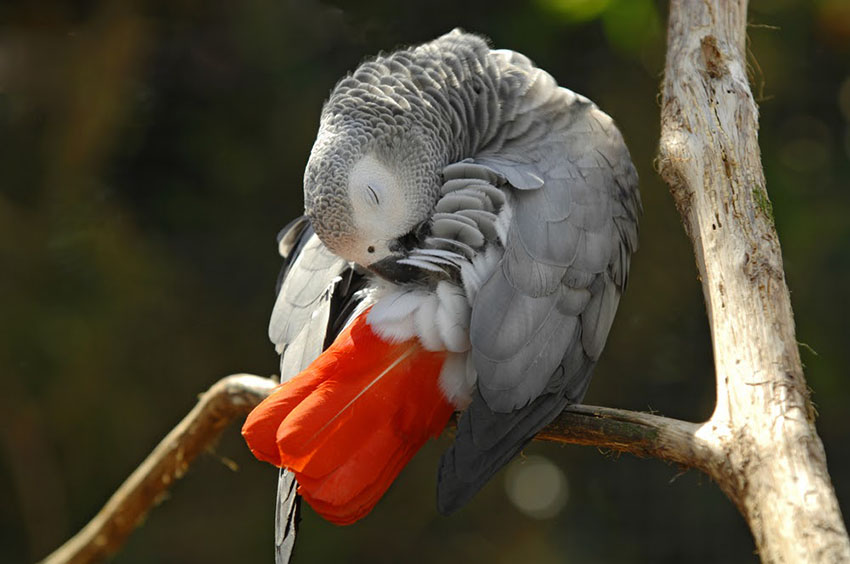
(226, 400)
(771, 461)
(234, 396)
(641, 434)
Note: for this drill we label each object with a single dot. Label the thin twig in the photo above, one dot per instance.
(231, 397)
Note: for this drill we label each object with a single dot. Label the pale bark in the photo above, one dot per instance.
(770, 460)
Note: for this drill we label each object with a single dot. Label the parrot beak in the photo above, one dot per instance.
(390, 269)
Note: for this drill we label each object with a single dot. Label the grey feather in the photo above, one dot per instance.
(442, 253)
(459, 228)
(482, 202)
(536, 278)
(577, 278)
(484, 220)
(573, 301)
(461, 200)
(549, 242)
(444, 243)
(287, 516)
(467, 169)
(304, 293)
(526, 341)
(504, 320)
(435, 259)
(315, 297)
(495, 195)
(512, 384)
(520, 176)
(541, 320)
(599, 315)
(421, 263)
(452, 217)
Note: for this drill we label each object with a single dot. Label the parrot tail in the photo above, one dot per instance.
(350, 422)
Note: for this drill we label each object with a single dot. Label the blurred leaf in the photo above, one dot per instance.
(575, 11)
(631, 24)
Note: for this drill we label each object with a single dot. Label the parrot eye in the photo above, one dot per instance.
(370, 249)
(373, 196)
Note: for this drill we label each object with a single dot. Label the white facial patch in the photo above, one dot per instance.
(378, 209)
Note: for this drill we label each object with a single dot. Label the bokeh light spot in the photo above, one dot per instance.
(537, 487)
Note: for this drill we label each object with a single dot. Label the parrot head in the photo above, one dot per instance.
(373, 179)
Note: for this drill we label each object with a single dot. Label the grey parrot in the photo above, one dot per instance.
(456, 198)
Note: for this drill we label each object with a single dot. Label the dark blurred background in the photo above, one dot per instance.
(149, 152)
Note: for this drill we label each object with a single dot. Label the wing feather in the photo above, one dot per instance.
(315, 297)
(540, 321)
(303, 300)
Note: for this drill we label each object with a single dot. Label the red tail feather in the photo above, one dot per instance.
(350, 422)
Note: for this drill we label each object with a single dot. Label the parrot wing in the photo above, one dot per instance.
(313, 283)
(540, 321)
(315, 297)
